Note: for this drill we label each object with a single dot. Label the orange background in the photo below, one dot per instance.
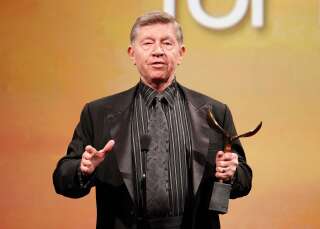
(57, 55)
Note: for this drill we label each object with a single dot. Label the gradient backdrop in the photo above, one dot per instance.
(57, 55)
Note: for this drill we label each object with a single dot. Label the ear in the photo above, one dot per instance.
(182, 52)
(131, 54)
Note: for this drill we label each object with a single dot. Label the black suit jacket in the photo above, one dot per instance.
(109, 118)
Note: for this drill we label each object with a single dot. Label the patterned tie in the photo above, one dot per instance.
(157, 162)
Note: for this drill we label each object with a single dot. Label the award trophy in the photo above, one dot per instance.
(221, 191)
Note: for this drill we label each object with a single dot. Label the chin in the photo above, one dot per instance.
(161, 77)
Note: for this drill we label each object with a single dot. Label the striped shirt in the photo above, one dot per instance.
(179, 141)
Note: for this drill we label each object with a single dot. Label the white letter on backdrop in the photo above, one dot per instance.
(257, 19)
(169, 6)
(223, 22)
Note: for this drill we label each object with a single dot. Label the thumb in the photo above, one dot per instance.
(107, 148)
(219, 155)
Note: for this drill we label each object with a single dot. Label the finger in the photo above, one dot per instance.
(219, 155)
(220, 169)
(235, 156)
(222, 164)
(229, 171)
(234, 161)
(90, 149)
(218, 175)
(221, 176)
(86, 155)
(86, 163)
(107, 148)
(226, 170)
(227, 157)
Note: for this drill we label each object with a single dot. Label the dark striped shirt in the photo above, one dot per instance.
(179, 141)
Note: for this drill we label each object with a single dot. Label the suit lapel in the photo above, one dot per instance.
(118, 123)
(199, 134)
(120, 132)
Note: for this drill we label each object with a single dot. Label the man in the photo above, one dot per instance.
(183, 159)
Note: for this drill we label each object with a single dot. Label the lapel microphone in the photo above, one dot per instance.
(145, 140)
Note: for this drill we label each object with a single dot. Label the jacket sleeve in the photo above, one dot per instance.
(67, 177)
(242, 181)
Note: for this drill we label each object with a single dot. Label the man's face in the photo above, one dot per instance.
(156, 53)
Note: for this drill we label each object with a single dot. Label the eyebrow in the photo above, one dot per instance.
(167, 38)
(151, 38)
(147, 39)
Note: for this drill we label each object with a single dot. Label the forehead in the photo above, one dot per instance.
(157, 31)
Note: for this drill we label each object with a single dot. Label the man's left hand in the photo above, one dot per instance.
(226, 165)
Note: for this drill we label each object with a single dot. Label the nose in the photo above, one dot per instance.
(158, 51)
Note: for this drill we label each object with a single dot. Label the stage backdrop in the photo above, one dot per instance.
(57, 55)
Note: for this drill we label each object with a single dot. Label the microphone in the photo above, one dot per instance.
(144, 144)
(145, 141)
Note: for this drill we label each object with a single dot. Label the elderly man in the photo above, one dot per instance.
(149, 151)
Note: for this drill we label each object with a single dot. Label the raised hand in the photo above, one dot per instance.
(91, 157)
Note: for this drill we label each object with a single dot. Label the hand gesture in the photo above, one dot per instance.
(91, 157)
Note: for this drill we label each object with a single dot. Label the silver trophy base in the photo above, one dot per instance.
(220, 197)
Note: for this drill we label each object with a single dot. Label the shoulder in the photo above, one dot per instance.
(199, 99)
(118, 101)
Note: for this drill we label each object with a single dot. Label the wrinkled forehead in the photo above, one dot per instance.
(157, 31)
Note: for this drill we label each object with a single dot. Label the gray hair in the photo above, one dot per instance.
(156, 17)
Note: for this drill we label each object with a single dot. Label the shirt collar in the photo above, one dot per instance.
(149, 93)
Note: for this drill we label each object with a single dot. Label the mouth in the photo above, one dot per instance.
(158, 64)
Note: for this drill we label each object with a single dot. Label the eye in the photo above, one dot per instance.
(168, 45)
(147, 42)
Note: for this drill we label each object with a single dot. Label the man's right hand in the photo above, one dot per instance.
(91, 157)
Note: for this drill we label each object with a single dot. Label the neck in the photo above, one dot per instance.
(159, 85)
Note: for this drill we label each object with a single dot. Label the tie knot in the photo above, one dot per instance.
(159, 99)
